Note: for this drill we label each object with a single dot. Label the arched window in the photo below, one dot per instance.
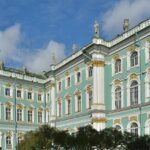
(134, 93)
(134, 59)
(118, 97)
(117, 65)
(8, 142)
(134, 128)
(118, 127)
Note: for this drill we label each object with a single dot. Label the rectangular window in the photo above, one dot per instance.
(39, 117)
(7, 91)
(90, 99)
(29, 95)
(19, 114)
(18, 93)
(59, 86)
(90, 71)
(68, 81)
(39, 97)
(69, 106)
(8, 113)
(78, 77)
(29, 115)
(79, 103)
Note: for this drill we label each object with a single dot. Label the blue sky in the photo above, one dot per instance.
(31, 30)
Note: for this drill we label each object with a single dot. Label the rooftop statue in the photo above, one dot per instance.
(96, 29)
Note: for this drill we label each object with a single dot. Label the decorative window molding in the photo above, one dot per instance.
(78, 77)
(133, 89)
(68, 105)
(147, 85)
(78, 101)
(68, 81)
(117, 64)
(89, 72)
(133, 57)
(117, 94)
(89, 96)
(59, 107)
(147, 52)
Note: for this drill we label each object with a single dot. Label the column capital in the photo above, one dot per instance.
(98, 63)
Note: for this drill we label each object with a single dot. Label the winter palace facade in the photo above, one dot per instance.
(104, 84)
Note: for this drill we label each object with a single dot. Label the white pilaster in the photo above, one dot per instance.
(53, 101)
(98, 82)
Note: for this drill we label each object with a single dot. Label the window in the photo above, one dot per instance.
(134, 128)
(19, 114)
(39, 97)
(7, 91)
(39, 117)
(68, 106)
(78, 103)
(90, 96)
(18, 93)
(59, 86)
(78, 77)
(19, 139)
(90, 71)
(68, 81)
(8, 142)
(30, 116)
(134, 93)
(29, 95)
(59, 108)
(117, 65)
(134, 59)
(118, 98)
(47, 97)
(8, 113)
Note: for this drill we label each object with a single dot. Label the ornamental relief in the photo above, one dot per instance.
(116, 56)
(133, 76)
(77, 92)
(67, 73)
(98, 63)
(133, 118)
(89, 88)
(117, 121)
(99, 120)
(148, 39)
(132, 48)
(117, 82)
(76, 68)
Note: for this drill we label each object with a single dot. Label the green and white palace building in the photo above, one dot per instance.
(104, 84)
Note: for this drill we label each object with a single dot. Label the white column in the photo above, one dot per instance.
(53, 101)
(98, 83)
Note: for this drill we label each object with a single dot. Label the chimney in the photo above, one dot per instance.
(126, 25)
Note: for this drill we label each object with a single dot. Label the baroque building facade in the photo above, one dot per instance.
(104, 84)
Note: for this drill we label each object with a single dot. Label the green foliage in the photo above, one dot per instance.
(87, 138)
